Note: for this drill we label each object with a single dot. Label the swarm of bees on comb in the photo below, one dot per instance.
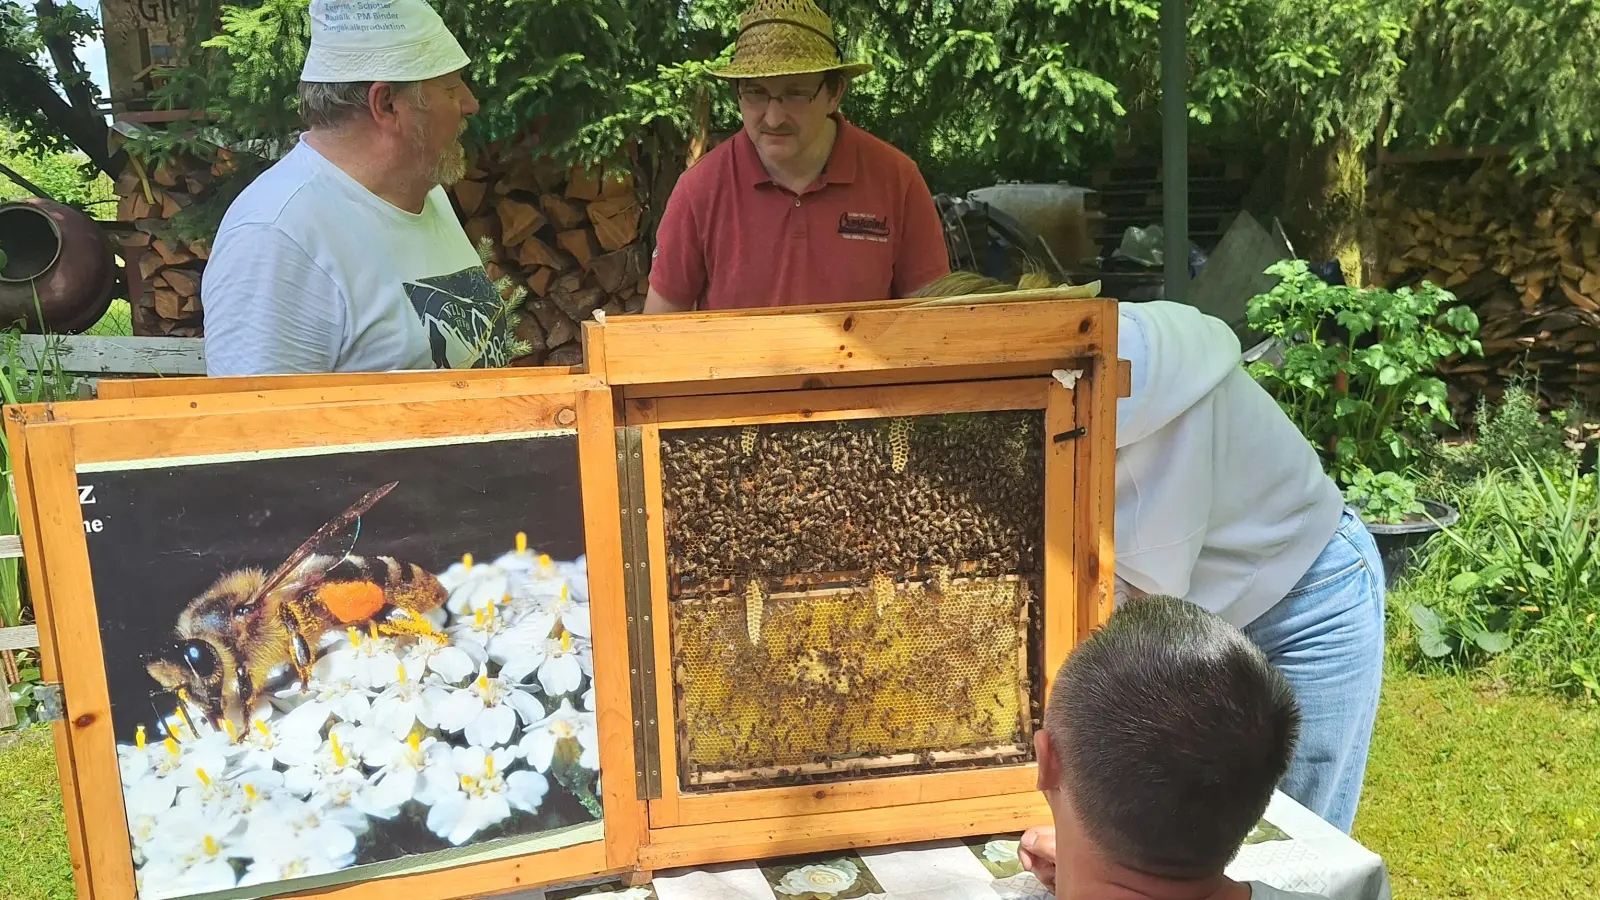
(965, 492)
(853, 596)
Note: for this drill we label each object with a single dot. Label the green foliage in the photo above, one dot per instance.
(1515, 73)
(1383, 497)
(45, 91)
(25, 377)
(1386, 345)
(67, 176)
(1512, 430)
(1518, 577)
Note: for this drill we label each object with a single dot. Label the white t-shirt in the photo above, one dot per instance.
(311, 272)
(1259, 891)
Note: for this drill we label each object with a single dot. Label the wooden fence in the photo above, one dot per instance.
(91, 359)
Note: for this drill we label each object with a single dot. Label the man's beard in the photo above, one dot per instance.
(451, 165)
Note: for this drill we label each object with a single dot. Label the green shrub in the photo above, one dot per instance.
(1513, 430)
(1515, 584)
(1359, 373)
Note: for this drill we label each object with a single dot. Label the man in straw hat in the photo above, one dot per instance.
(849, 216)
(345, 255)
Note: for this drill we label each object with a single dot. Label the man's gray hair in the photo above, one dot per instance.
(332, 104)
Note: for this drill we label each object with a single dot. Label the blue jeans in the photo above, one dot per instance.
(1326, 636)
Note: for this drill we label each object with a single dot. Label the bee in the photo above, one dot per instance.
(250, 632)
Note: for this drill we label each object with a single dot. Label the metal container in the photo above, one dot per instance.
(58, 264)
(1056, 212)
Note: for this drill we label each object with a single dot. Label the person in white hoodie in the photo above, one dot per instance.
(1221, 501)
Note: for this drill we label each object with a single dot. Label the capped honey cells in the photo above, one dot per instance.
(855, 597)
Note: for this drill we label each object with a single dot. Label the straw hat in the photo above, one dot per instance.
(786, 37)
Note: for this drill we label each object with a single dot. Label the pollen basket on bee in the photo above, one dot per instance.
(893, 622)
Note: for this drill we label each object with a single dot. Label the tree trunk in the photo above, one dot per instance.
(88, 131)
(1325, 194)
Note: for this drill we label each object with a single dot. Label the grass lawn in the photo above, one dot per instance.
(34, 864)
(1470, 794)
(1475, 794)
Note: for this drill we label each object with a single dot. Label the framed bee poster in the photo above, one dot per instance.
(342, 642)
(871, 535)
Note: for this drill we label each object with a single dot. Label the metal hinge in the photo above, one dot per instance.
(52, 705)
(636, 582)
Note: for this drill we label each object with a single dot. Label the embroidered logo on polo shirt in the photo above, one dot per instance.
(864, 227)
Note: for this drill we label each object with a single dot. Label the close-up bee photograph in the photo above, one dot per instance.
(328, 662)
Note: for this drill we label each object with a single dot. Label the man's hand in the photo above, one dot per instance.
(1038, 854)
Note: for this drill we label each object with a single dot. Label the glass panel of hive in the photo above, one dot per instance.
(854, 597)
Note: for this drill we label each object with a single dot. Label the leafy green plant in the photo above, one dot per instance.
(1518, 577)
(1358, 371)
(1383, 497)
(1513, 430)
(26, 376)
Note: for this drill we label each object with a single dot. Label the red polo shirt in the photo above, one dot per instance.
(731, 237)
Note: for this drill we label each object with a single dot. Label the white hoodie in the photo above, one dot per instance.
(1220, 499)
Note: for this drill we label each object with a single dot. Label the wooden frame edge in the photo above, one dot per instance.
(38, 581)
(698, 845)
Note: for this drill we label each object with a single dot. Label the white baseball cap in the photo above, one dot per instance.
(379, 40)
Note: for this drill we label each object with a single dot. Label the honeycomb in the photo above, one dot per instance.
(899, 495)
(878, 677)
(853, 597)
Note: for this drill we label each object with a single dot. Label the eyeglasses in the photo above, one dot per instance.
(790, 99)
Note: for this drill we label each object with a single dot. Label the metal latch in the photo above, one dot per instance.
(52, 706)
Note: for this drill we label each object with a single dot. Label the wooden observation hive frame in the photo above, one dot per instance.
(1049, 355)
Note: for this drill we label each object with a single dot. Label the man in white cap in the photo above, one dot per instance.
(800, 206)
(346, 255)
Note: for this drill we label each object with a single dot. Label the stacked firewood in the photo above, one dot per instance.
(166, 293)
(1525, 253)
(570, 236)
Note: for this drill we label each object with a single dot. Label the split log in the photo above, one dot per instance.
(172, 255)
(528, 329)
(539, 279)
(186, 283)
(616, 185)
(580, 304)
(580, 242)
(614, 270)
(518, 221)
(565, 355)
(168, 304)
(1523, 252)
(479, 230)
(470, 195)
(534, 252)
(149, 265)
(584, 184)
(616, 222)
(564, 213)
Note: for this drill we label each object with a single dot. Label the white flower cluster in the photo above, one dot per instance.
(472, 724)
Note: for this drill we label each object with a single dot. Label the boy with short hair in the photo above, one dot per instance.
(1165, 735)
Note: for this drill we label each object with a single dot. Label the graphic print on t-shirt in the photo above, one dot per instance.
(465, 319)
